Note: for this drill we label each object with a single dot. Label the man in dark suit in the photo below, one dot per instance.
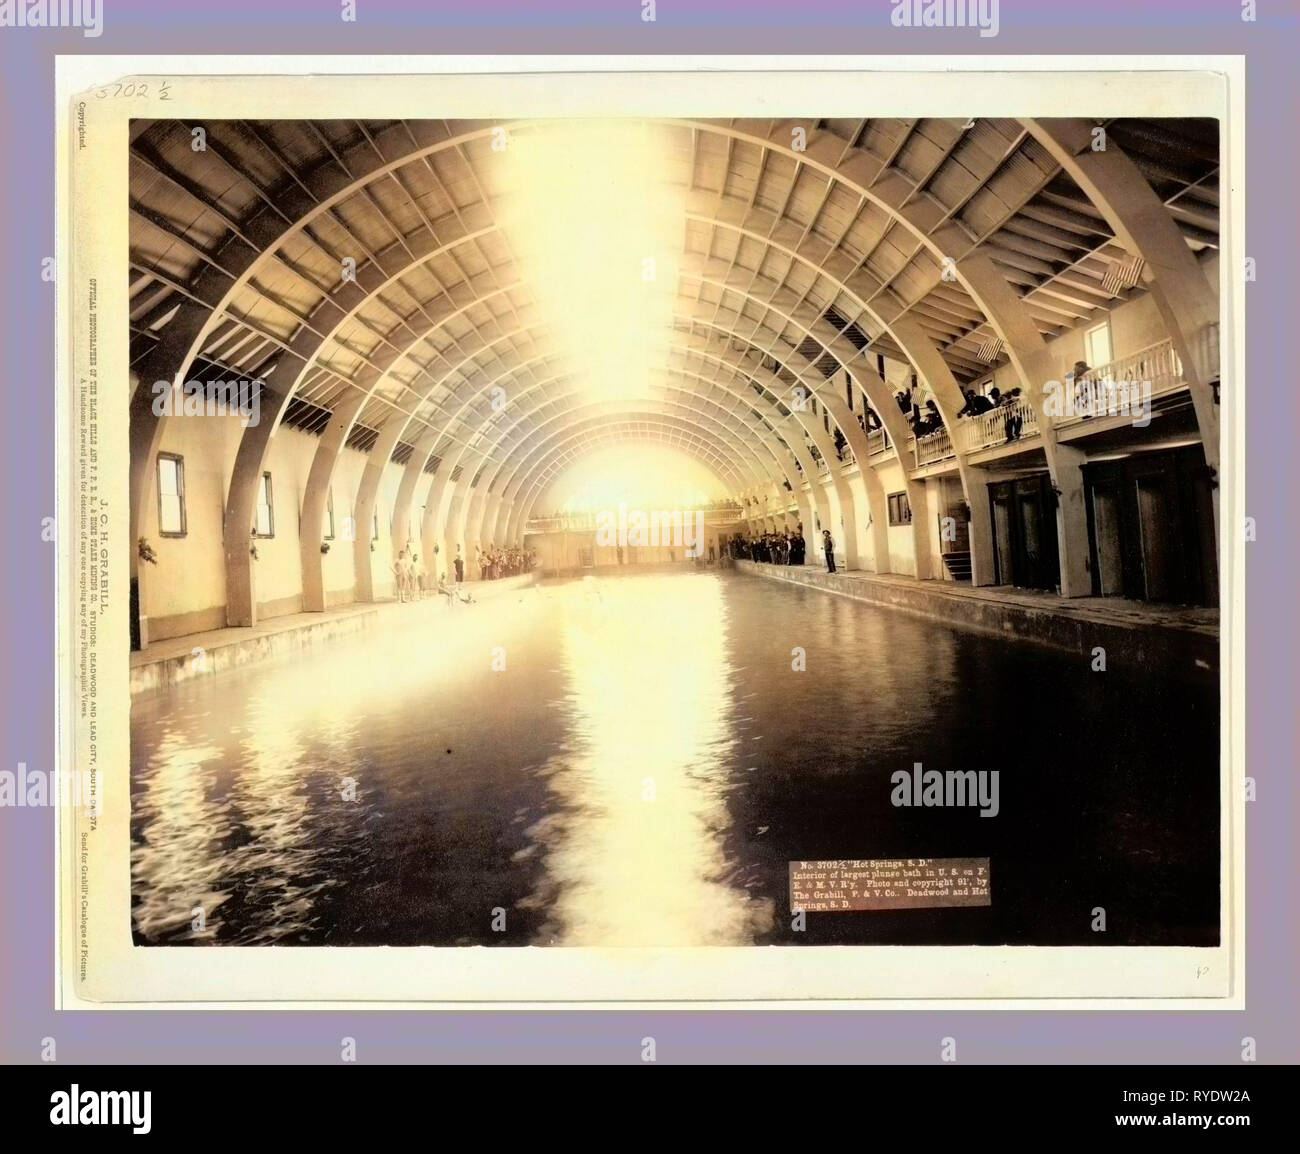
(829, 547)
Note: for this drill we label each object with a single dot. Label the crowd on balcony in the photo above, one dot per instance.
(868, 421)
(925, 418)
(977, 404)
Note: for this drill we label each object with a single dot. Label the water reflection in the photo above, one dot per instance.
(634, 855)
(633, 761)
(174, 866)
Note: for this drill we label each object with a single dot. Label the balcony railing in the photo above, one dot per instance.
(580, 522)
(1124, 386)
(931, 447)
(823, 468)
(1100, 391)
(1000, 426)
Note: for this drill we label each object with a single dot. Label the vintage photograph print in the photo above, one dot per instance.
(627, 542)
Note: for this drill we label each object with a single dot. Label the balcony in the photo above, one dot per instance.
(932, 447)
(726, 515)
(588, 521)
(1103, 391)
(878, 442)
(1117, 389)
(1001, 426)
(1122, 386)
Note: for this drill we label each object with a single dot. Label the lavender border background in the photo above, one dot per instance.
(27, 371)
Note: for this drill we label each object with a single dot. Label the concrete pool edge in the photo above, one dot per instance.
(1173, 642)
(205, 654)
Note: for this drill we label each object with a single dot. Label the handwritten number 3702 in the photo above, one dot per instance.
(131, 88)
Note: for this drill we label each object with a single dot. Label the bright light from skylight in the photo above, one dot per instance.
(598, 233)
(643, 476)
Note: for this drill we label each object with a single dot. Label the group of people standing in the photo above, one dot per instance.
(509, 562)
(413, 579)
(411, 574)
(780, 548)
(774, 548)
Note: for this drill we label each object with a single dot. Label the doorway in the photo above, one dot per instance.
(1151, 527)
(1024, 532)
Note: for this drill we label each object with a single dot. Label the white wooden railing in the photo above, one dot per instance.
(1100, 391)
(724, 516)
(931, 447)
(579, 522)
(878, 442)
(1123, 386)
(998, 426)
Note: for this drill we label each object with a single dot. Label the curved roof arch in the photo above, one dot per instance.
(794, 263)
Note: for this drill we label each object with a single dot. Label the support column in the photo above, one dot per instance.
(934, 371)
(882, 400)
(501, 523)
(1035, 367)
(241, 498)
(436, 504)
(310, 536)
(458, 509)
(869, 486)
(487, 524)
(367, 493)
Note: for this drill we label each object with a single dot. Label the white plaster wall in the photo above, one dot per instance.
(186, 590)
(902, 554)
(862, 513)
(190, 575)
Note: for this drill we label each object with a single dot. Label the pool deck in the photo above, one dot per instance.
(180, 659)
(1171, 640)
